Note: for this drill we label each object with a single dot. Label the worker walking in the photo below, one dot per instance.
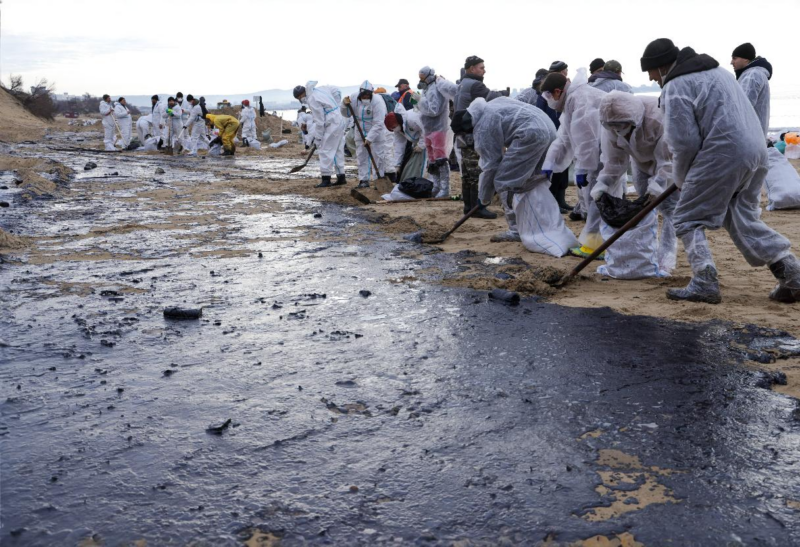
(195, 126)
(228, 127)
(370, 111)
(107, 115)
(328, 129)
(720, 177)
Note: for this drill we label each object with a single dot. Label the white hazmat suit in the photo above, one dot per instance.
(410, 134)
(370, 115)
(247, 117)
(107, 113)
(634, 132)
(719, 160)
(125, 122)
(755, 82)
(579, 139)
(434, 106)
(144, 127)
(328, 130)
(512, 138)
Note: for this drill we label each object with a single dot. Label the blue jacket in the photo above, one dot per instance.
(541, 104)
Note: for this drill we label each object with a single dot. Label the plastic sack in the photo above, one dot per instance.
(278, 144)
(254, 144)
(616, 212)
(782, 182)
(540, 224)
(215, 150)
(635, 254)
(397, 195)
(417, 187)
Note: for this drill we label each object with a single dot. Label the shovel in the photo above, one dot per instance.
(456, 227)
(618, 234)
(300, 167)
(364, 140)
(169, 150)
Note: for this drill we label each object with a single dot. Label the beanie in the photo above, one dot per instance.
(745, 51)
(597, 63)
(658, 53)
(558, 66)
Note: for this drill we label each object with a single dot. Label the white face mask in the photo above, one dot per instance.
(623, 132)
(304, 100)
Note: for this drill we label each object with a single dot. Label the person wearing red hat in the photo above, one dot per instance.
(247, 119)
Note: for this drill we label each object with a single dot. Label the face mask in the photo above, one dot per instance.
(180, 101)
(623, 132)
(422, 85)
(551, 102)
(304, 100)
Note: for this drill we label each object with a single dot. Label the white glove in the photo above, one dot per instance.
(599, 189)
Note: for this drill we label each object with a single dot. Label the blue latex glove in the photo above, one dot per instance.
(581, 181)
(547, 173)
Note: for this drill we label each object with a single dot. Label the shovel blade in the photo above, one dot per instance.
(296, 169)
(384, 185)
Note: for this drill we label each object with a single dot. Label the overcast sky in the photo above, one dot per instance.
(240, 46)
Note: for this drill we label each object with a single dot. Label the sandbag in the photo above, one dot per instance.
(616, 212)
(782, 183)
(417, 187)
(397, 195)
(635, 254)
(540, 224)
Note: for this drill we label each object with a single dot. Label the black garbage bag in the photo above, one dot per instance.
(417, 187)
(616, 212)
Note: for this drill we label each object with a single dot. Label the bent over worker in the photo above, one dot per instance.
(228, 126)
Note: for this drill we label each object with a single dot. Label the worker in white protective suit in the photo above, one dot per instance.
(109, 127)
(144, 128)
(410, 156)
(633, 131)
(370, 111)
(157, 113)
(578, 139)
(124, 121)
(434, 106)
(609, 78)
(195, 126)
(303, 117)
(247, 119)
(753, 74)
(387, 150)
(512, 138)
(719, 160)
(328, 130)
(172, 121)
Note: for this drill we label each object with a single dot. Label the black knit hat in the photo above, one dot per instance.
(471, 61)
(541, 74)
(659, 53)
(597, 63)
(745, 51)
(558, 66)
(298, 91)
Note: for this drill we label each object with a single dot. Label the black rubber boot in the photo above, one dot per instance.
(326, 182)
(466, 197)
(363, 184)
(704, 287)
(483, 211)
(340, 180)
(787, 272)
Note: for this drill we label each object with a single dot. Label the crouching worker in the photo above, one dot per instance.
(633, 130)
(410, 155)
(228, 126)
(525, 133)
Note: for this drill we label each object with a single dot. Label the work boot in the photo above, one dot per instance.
(326, 182)
(485, 213)
(787, 272)
(704, 287)
(466, 197)
(340, 180)
(508, 235)
(227, 153)
(363, 184)
(576, 216)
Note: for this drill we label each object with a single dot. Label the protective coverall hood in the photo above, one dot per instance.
(619, 107)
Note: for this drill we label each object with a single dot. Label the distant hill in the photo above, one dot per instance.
(274, 99)
(653, 88)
